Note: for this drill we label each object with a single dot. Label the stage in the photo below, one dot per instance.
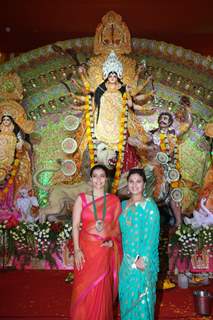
(44, 295)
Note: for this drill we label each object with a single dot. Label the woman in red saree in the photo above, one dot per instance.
(96, 251)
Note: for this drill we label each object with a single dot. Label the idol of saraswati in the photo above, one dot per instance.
(15, 162)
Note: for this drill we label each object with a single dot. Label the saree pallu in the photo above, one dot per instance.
(95, 286)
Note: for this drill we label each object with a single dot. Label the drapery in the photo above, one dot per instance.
(140, 236)
(95, 287)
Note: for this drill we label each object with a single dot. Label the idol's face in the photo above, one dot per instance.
(6, 121)
(135, 184)
(112, 77)
(164, 121)
(180, 116)
(98, 179)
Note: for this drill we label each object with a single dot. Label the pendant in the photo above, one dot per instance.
(99, 225)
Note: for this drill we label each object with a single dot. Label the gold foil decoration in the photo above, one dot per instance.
(11, 87)
(17, 112)
(112, 34)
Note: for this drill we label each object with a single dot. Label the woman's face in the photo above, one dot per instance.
(98, 179)
(6, 121)
(112, 77)
(135, 184)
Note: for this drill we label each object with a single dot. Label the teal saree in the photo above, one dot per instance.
(140, 225)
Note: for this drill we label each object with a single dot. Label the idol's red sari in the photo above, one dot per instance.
(95, 286)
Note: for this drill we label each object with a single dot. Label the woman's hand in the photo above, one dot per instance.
(79, 259)
(153, 92)
(128, 88)
(19, 144)
(150, 78)
(108, 243)
(140, 263)
(82, 70)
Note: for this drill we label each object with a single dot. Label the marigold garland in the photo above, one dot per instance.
(91, 139)
(90, 130)
(10, 181)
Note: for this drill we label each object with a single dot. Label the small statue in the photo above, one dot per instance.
(27, 205)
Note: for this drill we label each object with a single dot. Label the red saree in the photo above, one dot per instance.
(95, 286)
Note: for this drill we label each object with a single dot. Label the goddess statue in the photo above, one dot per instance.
(110, 107)
(15, 163)
(108, 90)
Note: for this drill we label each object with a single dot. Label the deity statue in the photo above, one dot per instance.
(203, 215)
(109, 89)
(110, 116)
(162, 152)
(27, 205)
(15, 162)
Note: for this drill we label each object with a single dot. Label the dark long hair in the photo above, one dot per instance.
(16, 129)
(102, 88)
(138, 171)
(99, 166)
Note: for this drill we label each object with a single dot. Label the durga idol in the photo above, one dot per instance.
(110, 116)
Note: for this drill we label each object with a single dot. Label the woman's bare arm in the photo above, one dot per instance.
(76, 220)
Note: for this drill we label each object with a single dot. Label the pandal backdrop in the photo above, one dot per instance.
(49, 92)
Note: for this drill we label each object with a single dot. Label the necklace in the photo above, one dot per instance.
(99, 225)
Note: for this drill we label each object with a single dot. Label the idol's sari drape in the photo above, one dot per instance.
(95, 287)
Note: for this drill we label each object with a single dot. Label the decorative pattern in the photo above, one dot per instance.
(176, 71)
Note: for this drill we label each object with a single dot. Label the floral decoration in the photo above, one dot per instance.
(188, 241)
(25, 241)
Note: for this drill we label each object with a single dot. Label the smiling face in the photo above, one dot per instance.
(98, 179)
(135, 184)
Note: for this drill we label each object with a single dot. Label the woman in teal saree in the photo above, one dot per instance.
(140, 224)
